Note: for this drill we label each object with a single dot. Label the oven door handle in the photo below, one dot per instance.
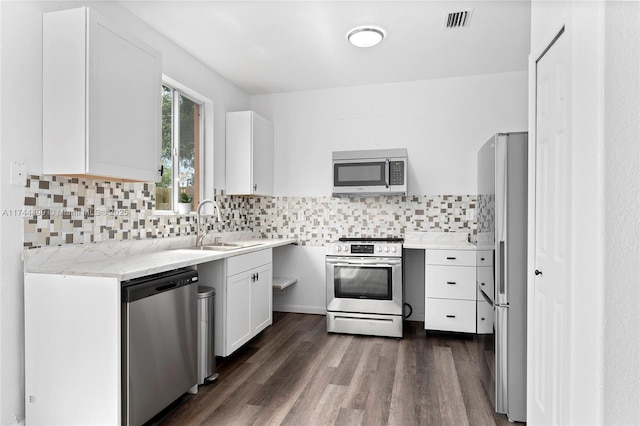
(376, 265)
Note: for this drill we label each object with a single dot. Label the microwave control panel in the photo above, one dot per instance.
(396, 172)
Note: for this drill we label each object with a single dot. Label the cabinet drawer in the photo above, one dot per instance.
(484, 314)
(450, 257)
(484, 276)
(244, 262)
(484, 258)
(450, 315)
(451, 282)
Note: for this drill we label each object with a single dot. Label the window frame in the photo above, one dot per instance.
(204, 106)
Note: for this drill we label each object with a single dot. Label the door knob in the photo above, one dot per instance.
(538, 272)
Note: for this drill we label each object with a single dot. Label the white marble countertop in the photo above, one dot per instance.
(437, 240)
(125, 265)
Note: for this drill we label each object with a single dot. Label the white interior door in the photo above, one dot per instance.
(549, 314)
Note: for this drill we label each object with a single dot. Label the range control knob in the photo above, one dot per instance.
(345, 248)
(386, 249)
(339, 248)
(394, 249)
(379, 249)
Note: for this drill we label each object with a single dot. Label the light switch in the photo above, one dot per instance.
(18, 174)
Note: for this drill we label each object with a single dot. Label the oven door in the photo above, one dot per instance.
(364, 285)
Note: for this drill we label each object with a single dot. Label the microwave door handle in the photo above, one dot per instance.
(386, 173)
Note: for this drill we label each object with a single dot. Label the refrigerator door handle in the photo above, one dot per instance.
(502, 287)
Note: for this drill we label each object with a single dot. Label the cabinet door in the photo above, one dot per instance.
(450, 315)
(124, 104)
(249, 159)
(262, 156)
(484, 276)
(484, 314)
(238, 321)
(451, 282)
(261, 298)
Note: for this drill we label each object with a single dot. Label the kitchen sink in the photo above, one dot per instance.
(223, 246)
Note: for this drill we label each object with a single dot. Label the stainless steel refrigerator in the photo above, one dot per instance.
(502, 228)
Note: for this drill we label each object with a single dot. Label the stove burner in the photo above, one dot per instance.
(371, 240)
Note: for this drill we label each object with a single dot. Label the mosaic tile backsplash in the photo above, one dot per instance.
(60, 210)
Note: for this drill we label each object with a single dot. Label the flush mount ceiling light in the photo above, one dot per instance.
(366, 36)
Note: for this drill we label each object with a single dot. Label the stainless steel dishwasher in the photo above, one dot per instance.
(159, 342)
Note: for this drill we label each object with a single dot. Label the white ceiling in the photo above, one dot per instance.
(282, 46)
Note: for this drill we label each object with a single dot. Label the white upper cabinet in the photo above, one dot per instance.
(249, 159)
(101, 99)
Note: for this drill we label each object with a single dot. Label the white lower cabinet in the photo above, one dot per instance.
(450, 290)
(450, 315)
(484, 279)
(72, 341)
(244, 298)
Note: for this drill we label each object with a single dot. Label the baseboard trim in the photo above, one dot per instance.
(301, 309)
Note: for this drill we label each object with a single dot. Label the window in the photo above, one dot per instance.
(181, 150)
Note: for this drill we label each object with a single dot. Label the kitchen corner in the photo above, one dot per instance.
(94, 311)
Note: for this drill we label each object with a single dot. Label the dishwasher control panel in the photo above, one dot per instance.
(140, 288)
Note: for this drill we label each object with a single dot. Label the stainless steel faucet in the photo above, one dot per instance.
(202, 232)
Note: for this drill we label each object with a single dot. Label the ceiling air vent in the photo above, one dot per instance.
(458, 19)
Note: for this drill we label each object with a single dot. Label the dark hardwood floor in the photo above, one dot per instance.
(295, 373)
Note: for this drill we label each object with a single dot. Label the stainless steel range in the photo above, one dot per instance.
(364, 286)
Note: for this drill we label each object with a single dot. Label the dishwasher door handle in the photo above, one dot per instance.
(166, 287)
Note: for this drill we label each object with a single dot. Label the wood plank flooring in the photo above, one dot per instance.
(295, 373)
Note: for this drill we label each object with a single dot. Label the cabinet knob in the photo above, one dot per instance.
(255, 186)
(537, 272)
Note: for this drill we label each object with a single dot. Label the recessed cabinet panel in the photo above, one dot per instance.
(238, 330)
(101, 99)
(261, 299)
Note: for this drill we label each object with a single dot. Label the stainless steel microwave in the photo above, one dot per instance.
(370, 172)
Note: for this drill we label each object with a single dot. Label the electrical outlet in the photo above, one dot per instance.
(18, 174)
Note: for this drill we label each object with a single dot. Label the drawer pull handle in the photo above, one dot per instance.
(451, 316)
(451, 258)
(481, 283)
(451, 282)
(481, 319)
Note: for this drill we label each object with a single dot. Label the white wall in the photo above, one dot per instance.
(603, 296)
(441, 122)
(21, 140)
(622, 213)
